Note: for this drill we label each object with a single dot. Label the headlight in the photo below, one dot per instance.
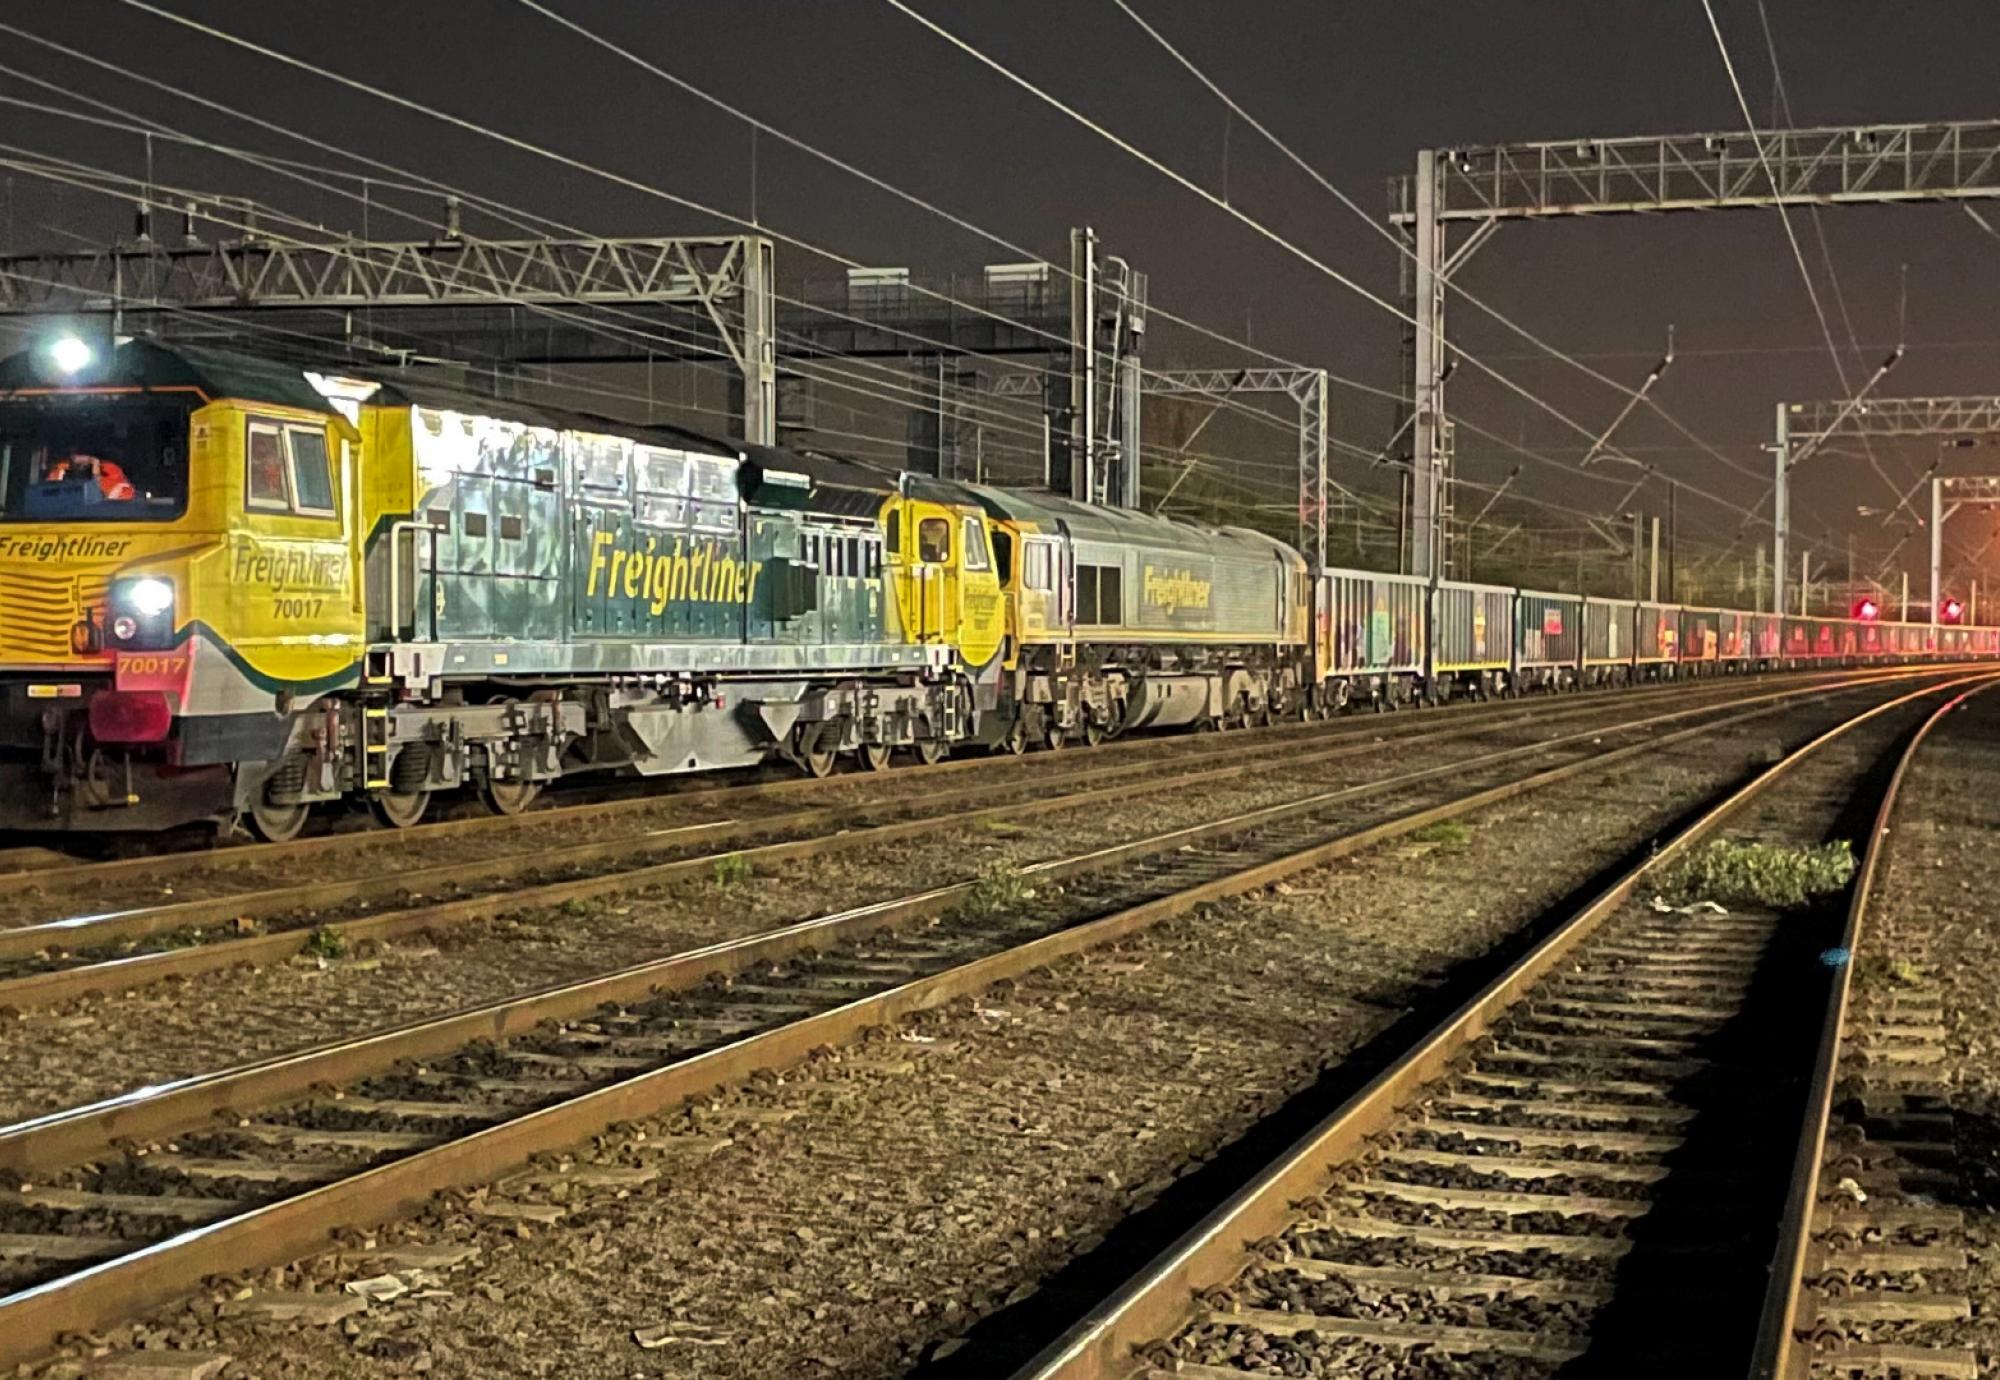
(139, 613)
(148, 598)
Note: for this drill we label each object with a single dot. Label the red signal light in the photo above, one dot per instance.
(1866, 610)
(1952, 610)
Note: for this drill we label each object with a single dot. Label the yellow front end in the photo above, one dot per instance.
(946, 580)
(177, 577)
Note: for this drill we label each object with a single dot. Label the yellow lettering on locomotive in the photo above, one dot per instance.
(597, 559)
(706, 574)
(1173, 590)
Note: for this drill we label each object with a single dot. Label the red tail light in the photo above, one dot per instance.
(130, 716)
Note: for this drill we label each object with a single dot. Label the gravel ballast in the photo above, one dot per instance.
(855, 1217)
(70, 1054)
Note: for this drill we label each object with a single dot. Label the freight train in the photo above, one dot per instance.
(234, 590)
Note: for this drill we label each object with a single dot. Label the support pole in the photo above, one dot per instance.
(1937, 545)
(1781, 507)
(1904, 615)
(1673, 542)
(1312, 469)
(1083, 364)
(1427, 395)
(1653, 594)
(760, 351)
(1130, 382)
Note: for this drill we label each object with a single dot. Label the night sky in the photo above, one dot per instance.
(1354, 87)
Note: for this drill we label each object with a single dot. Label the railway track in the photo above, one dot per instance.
(73, 953)
(127, 1203)
(1583, 1169)
(1871, 1271)
(589, 804)
(141, 878)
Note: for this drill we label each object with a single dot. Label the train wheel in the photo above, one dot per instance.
(818, 761)
(1016, 740)
(1054, 736)
(1093, 733)
(509, 797)
(400, 809)
(931, 751)
(873, 756)
(275, 823)
(407, 797)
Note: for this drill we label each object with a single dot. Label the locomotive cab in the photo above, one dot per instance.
(942, 565)
(175, 576)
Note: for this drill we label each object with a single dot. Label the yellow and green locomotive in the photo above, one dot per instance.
(1120, 620)
(232, 589)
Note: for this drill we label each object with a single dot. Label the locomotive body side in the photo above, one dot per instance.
(1123, 620)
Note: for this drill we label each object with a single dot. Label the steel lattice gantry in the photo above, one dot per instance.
(1804, 427)
(1853, 164)
(1741, 169)
(546, 302)
(729, 277)
(1307, 390)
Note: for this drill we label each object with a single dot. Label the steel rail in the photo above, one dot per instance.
(997, 775)
(1160, 1300)
(1777, 1355)
(673, 792)
(161, 866)
(283, 1230)
(844, 829)
(113, 1121)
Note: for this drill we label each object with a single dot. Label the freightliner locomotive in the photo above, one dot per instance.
(234, 590)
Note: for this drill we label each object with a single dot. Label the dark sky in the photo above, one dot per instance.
(1355, 88)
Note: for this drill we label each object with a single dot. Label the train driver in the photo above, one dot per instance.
(109, 474)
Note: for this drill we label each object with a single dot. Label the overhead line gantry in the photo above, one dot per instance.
(1484, 186)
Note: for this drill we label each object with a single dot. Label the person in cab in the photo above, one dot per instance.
(109, 475)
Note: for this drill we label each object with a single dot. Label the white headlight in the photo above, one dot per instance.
(70, 354)
(149, 597)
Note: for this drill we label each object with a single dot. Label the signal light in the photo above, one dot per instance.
(1867, 610)
(1952, 610)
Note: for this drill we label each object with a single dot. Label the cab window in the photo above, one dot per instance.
(975, 546)
(93, 460)
(934, 540)
(1038, 573)
(264, 484)
(1003, 555)
(312, 471)
(895, 532)
(287, 470)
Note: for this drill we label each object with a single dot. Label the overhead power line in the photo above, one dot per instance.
(580, 165)
(1303, 255)
(529, 222)
(1403, 248)
(1785, 219)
